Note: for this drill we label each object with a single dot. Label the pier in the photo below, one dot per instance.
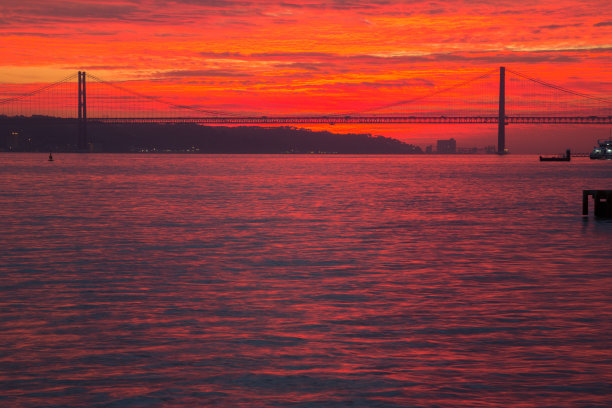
(602, 203)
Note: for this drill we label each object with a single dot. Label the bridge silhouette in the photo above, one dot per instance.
(477, 100)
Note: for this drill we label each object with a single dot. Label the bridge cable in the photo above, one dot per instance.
(159, 100)
(418, 98)
(560, 88)
(39, 90)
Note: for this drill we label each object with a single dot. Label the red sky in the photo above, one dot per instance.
(314, 56)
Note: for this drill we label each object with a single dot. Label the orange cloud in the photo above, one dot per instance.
(266, 57)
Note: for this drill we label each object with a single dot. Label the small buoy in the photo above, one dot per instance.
(50, 157)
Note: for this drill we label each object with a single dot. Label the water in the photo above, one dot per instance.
(303, 281)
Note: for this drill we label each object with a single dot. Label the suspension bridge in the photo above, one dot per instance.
(530, 101)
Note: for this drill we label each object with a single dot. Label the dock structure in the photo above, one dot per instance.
(602, 200)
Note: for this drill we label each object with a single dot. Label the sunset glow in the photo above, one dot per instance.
(263, 57)
(305, 203)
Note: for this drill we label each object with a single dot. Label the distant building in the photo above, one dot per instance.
(447, 146)
(429, 149)
(467, 150)
(490, 149)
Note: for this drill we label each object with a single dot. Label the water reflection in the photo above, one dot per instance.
(309, 281)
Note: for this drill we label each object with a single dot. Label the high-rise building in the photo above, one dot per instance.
(447, 146)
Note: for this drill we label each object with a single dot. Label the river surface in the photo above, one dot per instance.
(303, 281)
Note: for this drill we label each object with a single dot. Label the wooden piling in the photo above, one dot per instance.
(602, 203)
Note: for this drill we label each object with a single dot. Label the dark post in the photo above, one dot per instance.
(602, 202)
(82, 115)
(80, 99)
(501, 124)
(85, 140)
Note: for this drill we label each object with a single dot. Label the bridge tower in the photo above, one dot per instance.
(501, 123)
(82, 142)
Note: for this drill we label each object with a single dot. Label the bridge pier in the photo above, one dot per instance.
(501, 121)
(82, 142)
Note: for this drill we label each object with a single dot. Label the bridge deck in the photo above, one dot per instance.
(363, 119)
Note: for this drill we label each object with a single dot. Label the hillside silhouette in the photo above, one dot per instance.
(54, 134)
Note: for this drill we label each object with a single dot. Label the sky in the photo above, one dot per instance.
(317, 57)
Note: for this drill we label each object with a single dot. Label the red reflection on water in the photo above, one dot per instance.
(269, 281)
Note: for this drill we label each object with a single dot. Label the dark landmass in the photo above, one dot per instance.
(43, 134)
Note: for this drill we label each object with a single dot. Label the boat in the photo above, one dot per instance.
(50, 157)
(566, 157)
(603, 151)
